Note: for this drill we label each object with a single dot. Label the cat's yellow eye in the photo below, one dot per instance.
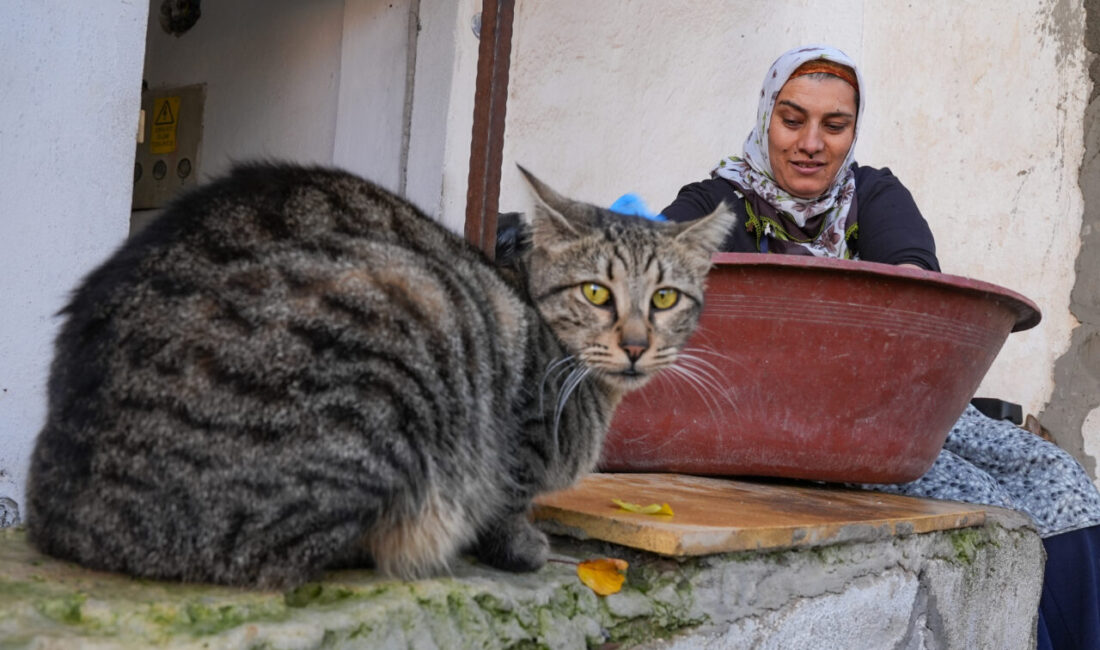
(597, 294)
(665, 298)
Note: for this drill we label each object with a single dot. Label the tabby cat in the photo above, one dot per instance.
(293, 368)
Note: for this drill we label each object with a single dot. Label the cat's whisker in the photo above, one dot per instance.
(700, 374)
(688, 376)
(691, 355)
(556, 365)
(576, 376)
(712, 374)
(564, 368)
(659, 363)
(715, 353)
(667, 356)
(708, 374)
(705, 373)
(704, 388)
(597, 357)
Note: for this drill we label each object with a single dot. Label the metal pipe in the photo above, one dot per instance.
(487, 143)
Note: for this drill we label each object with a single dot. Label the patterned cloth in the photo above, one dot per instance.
(820, 223)
(995, 462)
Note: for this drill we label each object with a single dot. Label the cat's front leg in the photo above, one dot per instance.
(512, 543)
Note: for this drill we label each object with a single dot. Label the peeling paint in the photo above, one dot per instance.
(1090, 431)
(1062, 22)
(9, 512)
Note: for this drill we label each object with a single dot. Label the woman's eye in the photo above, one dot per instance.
(665, 298)
(794, 124)
(836, 128)
(597, 294)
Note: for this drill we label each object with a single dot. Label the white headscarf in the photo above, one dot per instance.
(753, 171)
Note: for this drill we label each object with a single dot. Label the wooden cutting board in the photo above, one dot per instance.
(712, 515)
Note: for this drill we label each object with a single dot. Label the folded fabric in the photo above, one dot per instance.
(991, 461)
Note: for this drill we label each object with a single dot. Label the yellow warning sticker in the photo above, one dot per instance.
(166, 114)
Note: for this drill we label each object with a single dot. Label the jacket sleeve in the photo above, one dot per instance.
(891, 227)
(697, 200)
(700, 199)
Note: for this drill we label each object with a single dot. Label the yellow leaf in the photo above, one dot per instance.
(651, 509)
(604, 576)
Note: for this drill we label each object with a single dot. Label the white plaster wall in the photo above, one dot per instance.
(986, 128)
(645, 95)
(370, 118)
(376, 107)
(272, 71)
(325, 81)
(69, 101)
(443, 109)
(975, 106)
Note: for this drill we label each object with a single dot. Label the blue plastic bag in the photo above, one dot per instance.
(634, 205)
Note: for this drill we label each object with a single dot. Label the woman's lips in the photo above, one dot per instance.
(807, 167)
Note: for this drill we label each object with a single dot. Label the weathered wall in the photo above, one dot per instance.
(69, 101)
(976, 107)
(1073, 412)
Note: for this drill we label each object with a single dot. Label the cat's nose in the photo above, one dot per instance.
(634, 339)
(634, 350)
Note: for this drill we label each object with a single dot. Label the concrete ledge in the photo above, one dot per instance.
(968, 588)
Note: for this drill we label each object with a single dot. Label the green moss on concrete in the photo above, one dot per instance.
(45, 601)
(831, 554)
(966, 543)
(42, 598)
(63, 609)
(656, 602)
(315, 594)
(202, 619)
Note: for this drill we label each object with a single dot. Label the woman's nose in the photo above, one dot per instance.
(811, 141)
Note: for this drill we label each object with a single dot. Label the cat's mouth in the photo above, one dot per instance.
(630, 377)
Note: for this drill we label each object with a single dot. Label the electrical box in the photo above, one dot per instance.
(169, 144)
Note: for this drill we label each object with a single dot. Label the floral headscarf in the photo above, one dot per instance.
(816, 226)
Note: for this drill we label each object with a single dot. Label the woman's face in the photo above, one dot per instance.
(812, 127)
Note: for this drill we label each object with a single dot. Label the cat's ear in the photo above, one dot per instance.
(707, 234)
(548, 223)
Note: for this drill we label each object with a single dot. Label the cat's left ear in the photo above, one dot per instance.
(707, 234)
(549, 223)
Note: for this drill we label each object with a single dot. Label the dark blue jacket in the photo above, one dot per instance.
(891, 228)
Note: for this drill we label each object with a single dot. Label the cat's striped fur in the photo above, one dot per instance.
(292, 367)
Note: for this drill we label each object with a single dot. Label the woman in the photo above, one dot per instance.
(798, 191)
(796, 187)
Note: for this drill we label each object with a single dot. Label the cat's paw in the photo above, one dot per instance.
(515, 545)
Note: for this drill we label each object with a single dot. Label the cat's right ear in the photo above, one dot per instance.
(548, 223)
(707, 234)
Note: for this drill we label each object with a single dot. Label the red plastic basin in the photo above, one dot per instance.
(819, 369)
